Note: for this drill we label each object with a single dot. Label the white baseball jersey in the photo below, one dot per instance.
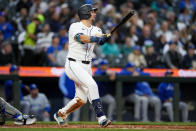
(81, 73)
(77, 50)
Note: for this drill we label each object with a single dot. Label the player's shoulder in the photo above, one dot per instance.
(27, 97)
(41, 95)
(76, 24)
(97, 29)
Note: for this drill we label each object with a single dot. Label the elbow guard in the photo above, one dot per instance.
(77, 37)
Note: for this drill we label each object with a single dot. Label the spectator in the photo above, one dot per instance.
(183, 35)
(132, 34)
(39, 104)
(6, 54)
(128, 47)
(110, 48)
(54, 22)
(146, 35)
(189, 4)
(30, 39)
(51, 10)
(185, 17)
(189, 61)
(53, 50)
(9, 90)
(38, 4)
(67, 88)
(172, 58)
(151, 22)
(179, 45)
(171, 19)
(166, 92)
(44, 39)
(63, 38)
(160, 45)
(110, 14)
(165, 31)
(23, 4)
(137, 58)
(104, 90)
(22, 20)
(5, 27)
(64, 14)
(160, 6)
(61, 55)
(153, 59)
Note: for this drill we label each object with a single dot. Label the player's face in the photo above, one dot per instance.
(93, 15)
(34, 92)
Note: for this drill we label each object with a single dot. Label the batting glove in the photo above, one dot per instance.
(100, 40)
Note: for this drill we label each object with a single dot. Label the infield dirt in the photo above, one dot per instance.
(158, 127)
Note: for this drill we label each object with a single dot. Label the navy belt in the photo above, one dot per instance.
(84, 62)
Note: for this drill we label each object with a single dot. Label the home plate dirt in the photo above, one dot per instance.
(162, 127)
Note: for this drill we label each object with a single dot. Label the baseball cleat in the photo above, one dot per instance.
(59, 120)
(26, 120)
(105, 123)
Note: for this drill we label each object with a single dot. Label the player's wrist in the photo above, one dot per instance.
(94, 39)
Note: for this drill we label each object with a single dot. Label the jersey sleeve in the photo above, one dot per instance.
(74, 29)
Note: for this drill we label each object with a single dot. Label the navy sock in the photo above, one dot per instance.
(98, 108)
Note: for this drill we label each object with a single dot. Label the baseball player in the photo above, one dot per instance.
(39, 104)
(82, 38)
(140, 94)
(166, 92)
(8, 111)
(147, 97)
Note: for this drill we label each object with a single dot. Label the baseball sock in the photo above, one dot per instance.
(98, 108)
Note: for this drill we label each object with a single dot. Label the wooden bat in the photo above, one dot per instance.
(125, 19)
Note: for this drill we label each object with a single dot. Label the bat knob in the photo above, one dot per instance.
(133, 11)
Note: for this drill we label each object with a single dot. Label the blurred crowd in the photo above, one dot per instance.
(161, 35)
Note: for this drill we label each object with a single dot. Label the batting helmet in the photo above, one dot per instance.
(84, 11)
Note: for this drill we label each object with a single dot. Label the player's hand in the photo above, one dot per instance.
(103, 39)
(108, 36)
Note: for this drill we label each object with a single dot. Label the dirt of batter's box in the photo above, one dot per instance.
(162, 127)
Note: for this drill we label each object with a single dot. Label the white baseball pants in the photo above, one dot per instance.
(86, 87)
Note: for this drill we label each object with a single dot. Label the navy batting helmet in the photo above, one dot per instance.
(84, 11)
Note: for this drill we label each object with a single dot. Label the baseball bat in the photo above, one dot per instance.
(125, 19)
